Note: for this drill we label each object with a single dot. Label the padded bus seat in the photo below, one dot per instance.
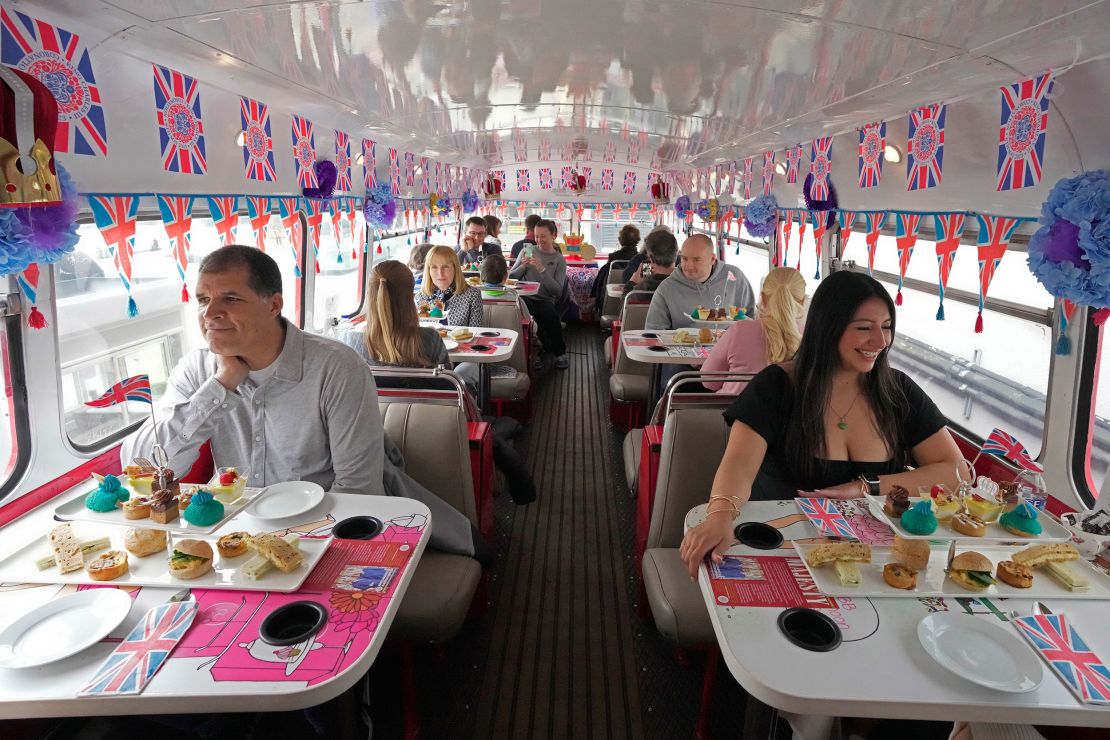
(508, 316)
(631, 380)
(433, 438)
(611, 307)
(632, 442)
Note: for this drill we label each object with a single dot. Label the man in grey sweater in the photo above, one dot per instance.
(702, 280)
(545, 265)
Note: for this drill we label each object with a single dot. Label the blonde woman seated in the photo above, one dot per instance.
(750, 346)
(445, 287)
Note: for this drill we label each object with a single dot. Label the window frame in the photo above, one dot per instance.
(1084, 419)
(12, 355)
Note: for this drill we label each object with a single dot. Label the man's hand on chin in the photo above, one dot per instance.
(231, 371)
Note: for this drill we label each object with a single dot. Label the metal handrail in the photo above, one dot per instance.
(463, 400)
(690, 377)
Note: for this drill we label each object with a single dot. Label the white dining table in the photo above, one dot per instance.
(881, 669)
(658, 348)
(502, 342)
(221, 665)
(614, 290)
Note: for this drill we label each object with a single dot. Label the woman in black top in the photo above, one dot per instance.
(830, 420)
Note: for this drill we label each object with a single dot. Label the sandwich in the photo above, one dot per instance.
(190, 559)
(843, 556)
(284, 556)
(67, 550)
(972, 570)
(1054, 558)
(683, 337)
(462, 333)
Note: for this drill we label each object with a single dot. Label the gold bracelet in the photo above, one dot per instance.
(734, 499)
(735, 509)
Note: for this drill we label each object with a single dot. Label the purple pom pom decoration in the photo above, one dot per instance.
(326, 177)
(831, 204)
(41, 234)
(760, 216)
(469, 201)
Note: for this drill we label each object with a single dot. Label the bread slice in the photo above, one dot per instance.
(847, 572)
(283, 555)
(830, 552)
(67, 550)
(1037, 555)
(1068, 576)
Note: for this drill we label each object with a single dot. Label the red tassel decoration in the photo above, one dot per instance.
(1100, 316)
(184, 293)
(379, 247)
(979, 323)
(898, 298)
(36, 320)
(354, 255)
(317, 267)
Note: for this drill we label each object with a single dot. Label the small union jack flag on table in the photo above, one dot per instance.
(135, 388)
(1064, 650)
(1003, 444)
(135, 661)
(826, 517)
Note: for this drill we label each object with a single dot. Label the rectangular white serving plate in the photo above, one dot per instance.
(666, 337)
(1052, 530)
(934, 582)
(75, 510)
(153, 570)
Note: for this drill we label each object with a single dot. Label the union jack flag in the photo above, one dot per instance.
(177, 217)
(629, 182)
(440, 188)
(1059, 644)
(826, 517)
(225, 217)
(369, 163)
(180, 129)
(291, 221)
(343, 162)
(793, 164)
(523, 180)
(1021, 134)
(59, 60)
(135, 660)
(258, 211)
(634, 150)
(768, 172)
(115, 216)
(1001, 443)
(610, 151)
(607, 178)
(820, 166)
(905, 236)
(846, 220)
(819, 219)
(749, 174)
(544, 152)
(994, 238)
(258, 143)
(314, 215)
(425, 177)
(587, 172)
(568, 178)
(136, 388)
(925, 146)
(304, 152)
(410, 169)
(520, 146)
(874, 221)
(872, 144)
(394, 173)
(949, 229)
(787, 228)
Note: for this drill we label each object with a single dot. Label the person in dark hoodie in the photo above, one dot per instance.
(702, 280)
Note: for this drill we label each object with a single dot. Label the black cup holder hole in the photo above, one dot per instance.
(810, 629)
(649, 335)
(293, 623)
(488, 334)
(479, 347)
(758, 535)
(658, 349)
(357, 528)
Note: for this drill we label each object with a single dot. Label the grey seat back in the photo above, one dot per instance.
(507, 316)
(611, 306)
(632, 319)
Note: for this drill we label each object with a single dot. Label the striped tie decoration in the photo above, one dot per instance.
(846, 220)
(115, 216)
(177, 218)
(29, 283)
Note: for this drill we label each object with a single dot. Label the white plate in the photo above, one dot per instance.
(75, 510)
(450, 344)
(62, 627)
(153, 570)
(981, 651)
(286, 499)
(934, 582)
(1051, 530)
(722, 325)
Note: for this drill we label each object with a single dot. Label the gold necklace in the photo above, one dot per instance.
(843, 424)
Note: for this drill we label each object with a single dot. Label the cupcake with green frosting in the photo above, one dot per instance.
(203, 510)
(1021, 521)
(107, 495)
(919, 518)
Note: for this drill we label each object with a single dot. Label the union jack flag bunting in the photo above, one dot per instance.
(846, 220)
(1003, 444)
(872, 144)
(135, 660)
(633, 150)
(523, 180)
(520, 146)
(369, 163)
(768, 172)
(793, 164)
(994, 238)
(115, 216)
(425, 177)
(826, 517)
(607, 178)
(546, 180)
(136, 388)
(925, 146)
(544, 152)
(59, 60)
(304, 152)
(1060, 645)
(288, 209)
(29, 283)
(177, 218)
(258, 142)
(180, 129)
(258, 211)
(820, 166)
(629, 182)
(410, 169)
(441, 188)
(314, 216)
(873, 220)
(587, 173)
(225, 217)
(610, 151)
(818, 219)
(1021, 134)
(787, 228)
(905, 236)
(749, 174)
(949, 230)
(343, 162)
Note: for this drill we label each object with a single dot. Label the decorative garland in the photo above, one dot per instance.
(760, 216)
(39, 234)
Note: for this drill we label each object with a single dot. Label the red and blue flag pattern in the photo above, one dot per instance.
(291, 221)
(369, 163)
(546, 179)
(135, 388)
(258, 211)
(793, 164)
(748, 176)
(180, 128)
(826, 517)
(59, 60)
(135, 660)
(905, 237)
(820, 166)
(177, 218)
(629, 182)
(343, 162)
(768, 172)
(994, 239)
(607, 178)
(1001, 443)
(949, 230)
(394, 172)
(925, 146)
(873, 222)
(523, 179)
(1060, 645)
(258, 141)
(304, 152)
(225, 216)
(115, 216)
(872, 146)
(1022, 131)
(846, 220)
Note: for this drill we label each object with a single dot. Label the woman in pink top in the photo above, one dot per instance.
(750, 346)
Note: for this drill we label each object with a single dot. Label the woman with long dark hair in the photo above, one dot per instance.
(837, 419)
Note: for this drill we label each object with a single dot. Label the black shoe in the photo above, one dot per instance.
(521, 487)
(505, 426)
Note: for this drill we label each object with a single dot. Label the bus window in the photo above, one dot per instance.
(600, 227)
(751, 260)
(337, 288)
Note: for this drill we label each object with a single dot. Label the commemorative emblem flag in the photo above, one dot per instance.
(820, 166)
(793, 164)
(258, 142)
(369, 163)
(925, 146)
(343, 162)
(180, 129)
(1021, 133)
(59, 60)
(304, 152)
(949, 229)
(872, 146)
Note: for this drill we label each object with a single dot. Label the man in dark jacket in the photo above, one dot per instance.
(661, 251)
(530, 222)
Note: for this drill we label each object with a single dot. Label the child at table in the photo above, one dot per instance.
(494, 271)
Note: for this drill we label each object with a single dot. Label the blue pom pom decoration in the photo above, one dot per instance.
(760, 215)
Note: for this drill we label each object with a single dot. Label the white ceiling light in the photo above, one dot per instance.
(892, 154)
(359, 158)
(780, 168)
(241, 138)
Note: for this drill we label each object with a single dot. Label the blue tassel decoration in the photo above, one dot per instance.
(339, 257)
(297, 271)
(940, 313)
(1063, 342)
(132, 307)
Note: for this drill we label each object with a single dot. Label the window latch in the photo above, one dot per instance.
(11, 304)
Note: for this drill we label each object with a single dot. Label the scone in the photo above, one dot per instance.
(1015, 574)
(143, 542)
(899, 576)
